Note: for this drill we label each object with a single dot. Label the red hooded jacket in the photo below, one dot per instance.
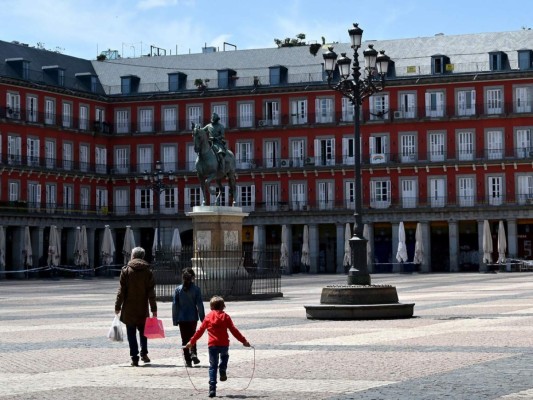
(217, 323)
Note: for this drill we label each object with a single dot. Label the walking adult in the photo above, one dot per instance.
(187, 308)
(136, 295)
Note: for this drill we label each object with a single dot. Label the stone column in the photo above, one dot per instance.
(512, 243)
(453, 235)
(396, 266)
(314, 245)
(261, 238)
(290, 269)
(370, 259)
(340, 247)
(18, 246)
(426, 240)
(482, 265)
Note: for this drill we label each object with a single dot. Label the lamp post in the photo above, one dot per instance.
(357, 88)
(156, 183)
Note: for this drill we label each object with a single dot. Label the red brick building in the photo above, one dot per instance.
(447, 144)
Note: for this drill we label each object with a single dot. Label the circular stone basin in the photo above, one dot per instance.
(359, 294)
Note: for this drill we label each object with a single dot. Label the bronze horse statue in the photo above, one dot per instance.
(208, 167)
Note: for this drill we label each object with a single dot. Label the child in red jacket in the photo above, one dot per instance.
(217, 323)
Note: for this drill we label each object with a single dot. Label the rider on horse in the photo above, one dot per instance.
(216, 136)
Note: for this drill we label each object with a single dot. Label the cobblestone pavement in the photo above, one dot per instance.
(471, 338)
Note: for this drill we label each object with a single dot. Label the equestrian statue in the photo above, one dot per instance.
(215, 161)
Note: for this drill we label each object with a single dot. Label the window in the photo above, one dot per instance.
(246, 197)
(144, 159)
(380, 194)
(348, 110)
(84, 157)
(437, 194)
(177, 81)
(523, 143)
(67, 156)
(271, 193)
(272, 154)
(243, 154)
(129, 84)
(494, 145)
(68, 198)
(297, 152)
(31, 109)
(434, 104)
(379, 107)
(121, 201)
(349, 195)
(409, 196)
(33, 152)
(50, 154)
(436, 147)
(49, 112)
(67, 115)
(439, 64)
(407, 106)
(84, 118)
(326, 196)
(245, 115)
(123, 121)
(146, 120)
(122, 160)
(278, 75)
(524, 189)
(494, 101)
(466, 191)
(378, 149)
(222, 111)
(101, 201)
(143, 201)
(14, 150)
(495, 190)
(466, 102)
(100, 156)
(465, 146)
(34, 196)
(298, 196)
(525, 59)
(84, 199)
(170, 119)
(194, 116)
(408, 148)
(13, 105)
(193, 197)
(168, 201)
(324, 111)
(14, 191)
(169, 158)
(498, 61)
(325, 151)
(523, 99)
(51, 197)
(348, 151)
(271, 113)
(191, 157)
(298, 112)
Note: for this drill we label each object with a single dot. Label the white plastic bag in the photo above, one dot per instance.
(116, 333)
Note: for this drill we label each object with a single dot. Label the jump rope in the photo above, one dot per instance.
(237, 390)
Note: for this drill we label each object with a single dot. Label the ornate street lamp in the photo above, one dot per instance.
(357, 88)
(156, 182)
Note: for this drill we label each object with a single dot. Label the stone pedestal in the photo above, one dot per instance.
(218, 258)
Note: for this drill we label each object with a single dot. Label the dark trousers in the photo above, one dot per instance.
(131, 331)
(187, 329)
(217, 353)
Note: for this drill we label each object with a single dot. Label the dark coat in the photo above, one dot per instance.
(136, 291)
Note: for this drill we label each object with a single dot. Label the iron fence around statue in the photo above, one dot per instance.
(232, 274)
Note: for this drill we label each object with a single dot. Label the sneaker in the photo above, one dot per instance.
(145, 359)
(134, 363)
(223, 376)
(212, 393)
(188, 364)
(195, 359)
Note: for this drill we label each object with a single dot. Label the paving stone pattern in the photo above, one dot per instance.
(471, 338)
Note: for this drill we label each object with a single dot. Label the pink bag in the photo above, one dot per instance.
(153, 328)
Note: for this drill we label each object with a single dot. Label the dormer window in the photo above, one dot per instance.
(226, 78)
(21, 67)
(498, 61)
(129, 84)
(54, 74)
(525, 59)
(177, 81)
(278, 75)
(439, 64)
(88, 80)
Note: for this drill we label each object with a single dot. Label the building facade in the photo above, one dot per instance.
(447, 144)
